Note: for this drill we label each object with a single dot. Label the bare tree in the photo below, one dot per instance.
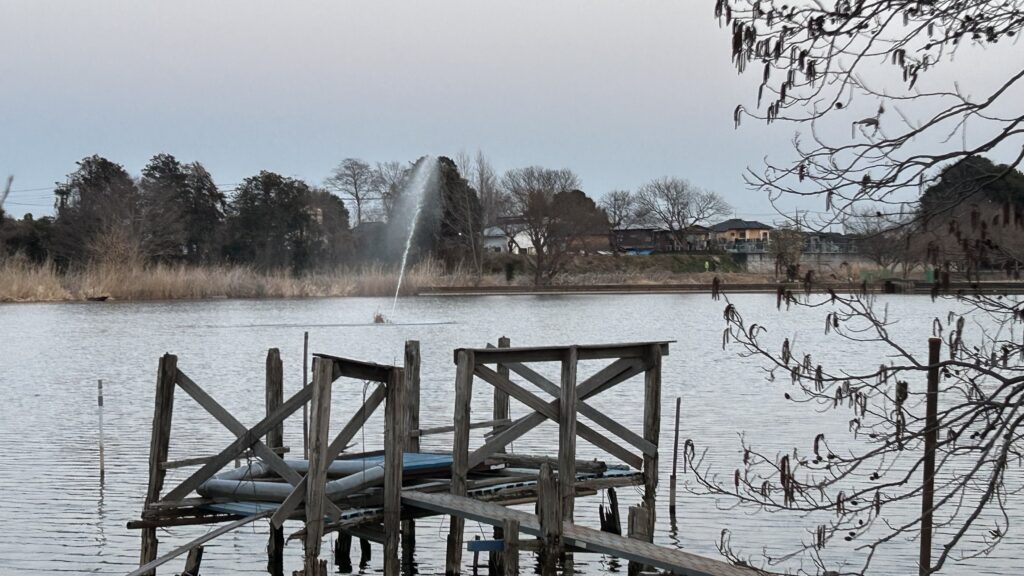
(355, 179)
(530, 202)
(389, 180)
(677, 205)
(478, 171)
(879, 237)
(813, 63)
(621, 208)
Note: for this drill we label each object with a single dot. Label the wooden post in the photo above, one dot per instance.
(652, 428)
(275, 439)
(320, 419)
(567, 434)
(412, 422)
(931, 437)
(275, 551)
(460, 455)
(275, 396)
(343, 552)
(548, 504)
(159, 443)
(675, 461)
(99, 404)
(365, 552)
(192, 562)
(305, 408)
(610, 519)
(476, 557)
(499, 412)
(638, 526)
(510, 554)
(395, 441)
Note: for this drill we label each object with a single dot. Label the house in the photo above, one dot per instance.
(641, 240)
(737, 235)
(511, 230)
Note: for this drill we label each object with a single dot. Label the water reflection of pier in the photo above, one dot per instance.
(377, 496)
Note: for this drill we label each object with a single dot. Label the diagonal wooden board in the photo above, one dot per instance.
(149, 567)
(675, 561)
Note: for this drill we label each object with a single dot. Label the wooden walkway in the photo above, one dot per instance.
(675, 561)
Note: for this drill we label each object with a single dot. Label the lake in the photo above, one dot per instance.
(58, 518)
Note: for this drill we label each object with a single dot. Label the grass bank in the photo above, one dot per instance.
(22, 281)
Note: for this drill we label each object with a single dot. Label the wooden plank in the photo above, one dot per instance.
(275, 395)
(284, 511)
(261, 450)
(198, 460)
(588, 411)
(159, 444)
(395, 440)
(247, 440)
(316, 477)
(496, 424)
(556, 353)
(663, 558)
(348, 368)
(652, 429)
(567, 434)
(460, 456)
(151, 566)
(550, 411)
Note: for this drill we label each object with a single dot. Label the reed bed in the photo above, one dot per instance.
(23, 281)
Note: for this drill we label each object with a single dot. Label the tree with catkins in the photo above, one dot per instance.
(913, 163)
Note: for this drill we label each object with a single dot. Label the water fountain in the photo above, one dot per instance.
(423, 176)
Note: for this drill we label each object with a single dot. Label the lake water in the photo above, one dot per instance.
(58, 518)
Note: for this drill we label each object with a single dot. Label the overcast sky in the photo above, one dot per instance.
(619, 91)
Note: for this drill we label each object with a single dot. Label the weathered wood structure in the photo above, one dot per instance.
(377, 496)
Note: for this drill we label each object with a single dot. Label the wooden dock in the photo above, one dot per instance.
(580, 537)
(380, 498)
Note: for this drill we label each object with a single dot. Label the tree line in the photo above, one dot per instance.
(174, 211)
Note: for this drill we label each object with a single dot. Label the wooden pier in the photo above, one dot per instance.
(378, 496)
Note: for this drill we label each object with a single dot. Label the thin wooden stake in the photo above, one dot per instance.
(675, 461)
(931, 438)
(305, 408)
(99, 403)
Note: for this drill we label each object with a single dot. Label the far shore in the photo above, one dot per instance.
(26, 282)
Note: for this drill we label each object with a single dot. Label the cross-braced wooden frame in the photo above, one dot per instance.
(570, 397)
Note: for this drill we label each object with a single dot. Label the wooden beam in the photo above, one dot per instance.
(411, 370)
(460, 456)
(609, 376)
(247, 440)
(556, 353)
(316, 478)
(548, 509)
(193, 561)
(151, 566)
(550, 411)
(159, 444)
(275, 396)
(261, 450)
(567, 434)
(501, 405)
(629, 365)
(495, 424)
(510, 555)
(284, 511)
(394, 446)
(348, 368)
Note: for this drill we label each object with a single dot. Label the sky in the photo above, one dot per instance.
(620, 91)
